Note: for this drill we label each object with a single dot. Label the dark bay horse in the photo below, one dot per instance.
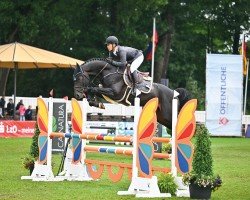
(112, 86)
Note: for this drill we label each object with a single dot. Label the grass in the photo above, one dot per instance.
(231, 161)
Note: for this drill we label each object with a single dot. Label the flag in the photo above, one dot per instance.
(66, 98)
(51, 93)
(150, 46)
(243, 52)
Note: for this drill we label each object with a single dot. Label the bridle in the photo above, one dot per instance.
(91, 82)
(79, 88)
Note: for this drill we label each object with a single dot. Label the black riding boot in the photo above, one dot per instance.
(135, 81)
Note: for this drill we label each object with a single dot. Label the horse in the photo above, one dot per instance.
(113, 88)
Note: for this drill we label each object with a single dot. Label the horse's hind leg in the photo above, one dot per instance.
(163, 120)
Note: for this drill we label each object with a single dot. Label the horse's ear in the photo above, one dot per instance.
(77, 66)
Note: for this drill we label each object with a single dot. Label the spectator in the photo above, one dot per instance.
(18, 104)
(1, 112)
(2, 105)
(10, 108)
(28, 113)
(22, 112)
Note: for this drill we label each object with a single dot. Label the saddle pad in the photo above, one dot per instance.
(144, 87)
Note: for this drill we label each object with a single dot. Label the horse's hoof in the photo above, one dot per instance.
(101, 106)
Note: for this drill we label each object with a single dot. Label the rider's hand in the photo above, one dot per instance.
(109, 59)
(128, 65)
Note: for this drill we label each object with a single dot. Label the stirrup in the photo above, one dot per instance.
(134, 90)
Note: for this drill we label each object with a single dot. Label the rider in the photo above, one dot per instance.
(125, 56)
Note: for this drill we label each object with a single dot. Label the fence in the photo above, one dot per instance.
(109, 108)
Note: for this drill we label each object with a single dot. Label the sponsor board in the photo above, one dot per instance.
(11, 128)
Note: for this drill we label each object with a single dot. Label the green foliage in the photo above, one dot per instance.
(166, 183)
(197, 92)
(202, 164)
(166, 147)
(214, 182)
(73, 28)
(34, 150)
(28, 162)
(202, 161)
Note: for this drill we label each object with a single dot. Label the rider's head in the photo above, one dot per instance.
(111, 43)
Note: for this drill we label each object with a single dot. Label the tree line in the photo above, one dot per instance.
(186, 29)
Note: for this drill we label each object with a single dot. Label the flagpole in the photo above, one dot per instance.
(245, 95)
(247, 65)
(153, 51)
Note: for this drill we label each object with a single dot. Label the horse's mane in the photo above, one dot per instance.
(96, 59)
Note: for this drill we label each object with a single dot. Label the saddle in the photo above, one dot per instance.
(144, 84)
(144, 81)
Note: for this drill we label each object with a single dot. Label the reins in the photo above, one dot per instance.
(91, 82)
(99, 73)
(116, 72)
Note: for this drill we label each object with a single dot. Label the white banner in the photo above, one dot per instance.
(224, 94)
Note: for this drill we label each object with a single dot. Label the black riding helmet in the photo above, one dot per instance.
(112, 40)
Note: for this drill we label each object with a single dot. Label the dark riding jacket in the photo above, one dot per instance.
(124, 55)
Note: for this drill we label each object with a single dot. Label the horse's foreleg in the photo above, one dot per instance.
(105, 91)
(96, 104)
(99, 92)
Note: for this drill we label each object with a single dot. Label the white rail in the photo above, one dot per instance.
(113, 109)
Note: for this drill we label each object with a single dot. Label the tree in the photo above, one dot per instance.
(29, 22)
(187, 29)
(199, 27)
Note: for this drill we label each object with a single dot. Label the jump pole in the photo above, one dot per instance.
(43, 168)
(140, 186)
(174, 122)
(77, 170)
(182, 190)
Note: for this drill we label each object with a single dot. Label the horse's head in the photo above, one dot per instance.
(81, 82)
(96, 67)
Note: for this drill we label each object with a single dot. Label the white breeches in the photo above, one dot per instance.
(136, 63)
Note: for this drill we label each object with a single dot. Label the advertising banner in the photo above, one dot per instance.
(11, 128)
(59, 125)
(224, 93)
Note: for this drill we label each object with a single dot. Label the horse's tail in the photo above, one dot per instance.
(184, 96)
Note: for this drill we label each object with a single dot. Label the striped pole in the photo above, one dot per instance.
(92, 136)
(118, 150)
(115, 150)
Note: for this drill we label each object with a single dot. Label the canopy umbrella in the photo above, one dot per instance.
(20, 56)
